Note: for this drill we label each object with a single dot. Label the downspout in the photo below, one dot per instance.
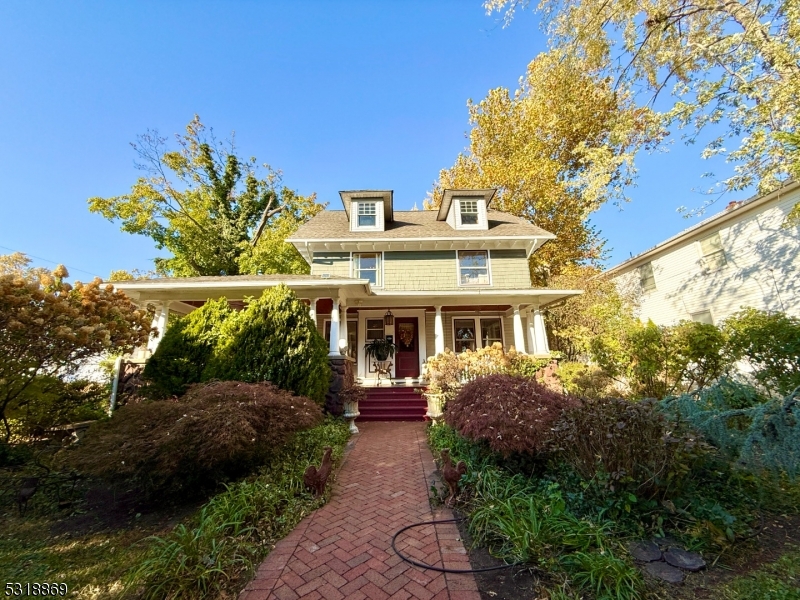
(112, 405)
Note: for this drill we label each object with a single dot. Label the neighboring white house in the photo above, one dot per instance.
(743, 256)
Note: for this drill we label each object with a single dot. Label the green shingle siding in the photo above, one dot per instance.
(337, 264)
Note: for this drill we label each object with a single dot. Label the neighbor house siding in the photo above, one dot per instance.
(335, 264)
(761, 269)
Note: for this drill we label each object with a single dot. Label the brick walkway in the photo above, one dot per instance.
(343, 550)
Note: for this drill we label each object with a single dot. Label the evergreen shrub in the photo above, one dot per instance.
(273, 339)
(184, 351)
(215, 432)
(514, 414)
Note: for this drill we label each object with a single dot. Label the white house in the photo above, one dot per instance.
(742, 256)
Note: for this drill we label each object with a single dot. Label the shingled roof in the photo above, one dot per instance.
(410, 224)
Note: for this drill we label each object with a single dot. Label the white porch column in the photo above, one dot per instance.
(438, 332)
(160, 320)
(519, 333)
(312, 309)
(540, 334)
(333, 347)
(531, 339)
(343, 327)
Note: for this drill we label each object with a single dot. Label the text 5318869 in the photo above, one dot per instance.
(22, 590)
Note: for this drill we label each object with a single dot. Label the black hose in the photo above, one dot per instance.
(431, 567)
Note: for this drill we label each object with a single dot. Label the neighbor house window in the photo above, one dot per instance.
(367, 214)
(713, 253)
(471, 333)
(646, 277)
(469, 212)
(367, 265)
(704, 316)
(473, 267)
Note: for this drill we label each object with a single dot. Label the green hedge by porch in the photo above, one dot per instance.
(273, 339)
(185, 349)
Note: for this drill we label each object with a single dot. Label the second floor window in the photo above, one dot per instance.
(713, 253)
(367, 265)
(473, 267)
(367, 214)
(647, 278)
(469, 212)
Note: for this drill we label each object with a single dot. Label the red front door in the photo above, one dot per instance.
(406, 337)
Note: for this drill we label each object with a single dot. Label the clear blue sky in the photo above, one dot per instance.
(337, 94)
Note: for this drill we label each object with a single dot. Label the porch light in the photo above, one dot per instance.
(388, 318)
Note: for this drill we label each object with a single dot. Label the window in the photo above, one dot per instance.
(473, 267)
(704, 316)
(469, 212)
(374, 329)
(713, 253)
(646, 277)
(367, 265)
(471, 333)
(367, 214)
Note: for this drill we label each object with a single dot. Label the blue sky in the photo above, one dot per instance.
(337, 94)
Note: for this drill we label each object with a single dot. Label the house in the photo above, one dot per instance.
(742, 256)
(454, 278)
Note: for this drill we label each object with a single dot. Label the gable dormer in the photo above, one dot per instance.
(466, 209)
(368, 210)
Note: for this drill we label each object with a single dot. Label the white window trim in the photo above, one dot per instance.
(488, 270)
(481, 224)
(704, 262)
(698, 312)
(378, 215)
(653, 272)
(478, 332)
(383, 274)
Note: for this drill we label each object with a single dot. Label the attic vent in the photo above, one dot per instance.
(326, 275)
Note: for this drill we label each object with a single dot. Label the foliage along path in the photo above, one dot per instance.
(343, 550)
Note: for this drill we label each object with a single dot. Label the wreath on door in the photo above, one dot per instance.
(407, 335)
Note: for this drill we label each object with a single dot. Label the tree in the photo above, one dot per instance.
(557, 149)
(48, 327)
(735, 63)
(214, 211)
(273, 339)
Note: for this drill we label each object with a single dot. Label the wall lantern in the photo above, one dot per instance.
(388, 318)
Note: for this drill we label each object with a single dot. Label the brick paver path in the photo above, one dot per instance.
(343, 550)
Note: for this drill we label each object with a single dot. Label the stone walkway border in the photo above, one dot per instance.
(343, 550)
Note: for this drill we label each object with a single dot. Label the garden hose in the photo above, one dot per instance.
(431, 567)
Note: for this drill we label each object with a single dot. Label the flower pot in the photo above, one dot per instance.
(435, 404)
(351, 413)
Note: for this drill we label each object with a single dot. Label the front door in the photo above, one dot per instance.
(406, 333)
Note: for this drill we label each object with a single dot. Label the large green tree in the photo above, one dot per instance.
(556, 149)
(218, 214)
(736, 63)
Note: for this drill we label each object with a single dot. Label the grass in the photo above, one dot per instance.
(776, 581)
(209, 555)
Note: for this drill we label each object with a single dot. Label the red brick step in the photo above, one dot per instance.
(386, 403)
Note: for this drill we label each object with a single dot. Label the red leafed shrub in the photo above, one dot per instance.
(512, 413)
(216, 431)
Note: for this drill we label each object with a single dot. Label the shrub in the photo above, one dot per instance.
(512, 413)
(770, 343)
(273, 339)
(216, 431)
(586, 381)
(215, 554)
(185, 349)
(626, 442)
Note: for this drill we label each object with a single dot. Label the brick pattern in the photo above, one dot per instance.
(343, 550)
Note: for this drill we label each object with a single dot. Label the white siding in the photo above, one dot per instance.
(762, 270)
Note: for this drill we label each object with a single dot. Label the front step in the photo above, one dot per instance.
(392, 404)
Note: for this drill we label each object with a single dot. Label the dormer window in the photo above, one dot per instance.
(469, 212)
(367, 214)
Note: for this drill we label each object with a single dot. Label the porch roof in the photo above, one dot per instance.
(356, 292)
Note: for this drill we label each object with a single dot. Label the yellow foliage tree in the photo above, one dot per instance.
(557, 149)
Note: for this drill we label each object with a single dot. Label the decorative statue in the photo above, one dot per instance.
(452, 474)
(314, 478)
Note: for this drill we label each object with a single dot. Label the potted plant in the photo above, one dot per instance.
(380, 350)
